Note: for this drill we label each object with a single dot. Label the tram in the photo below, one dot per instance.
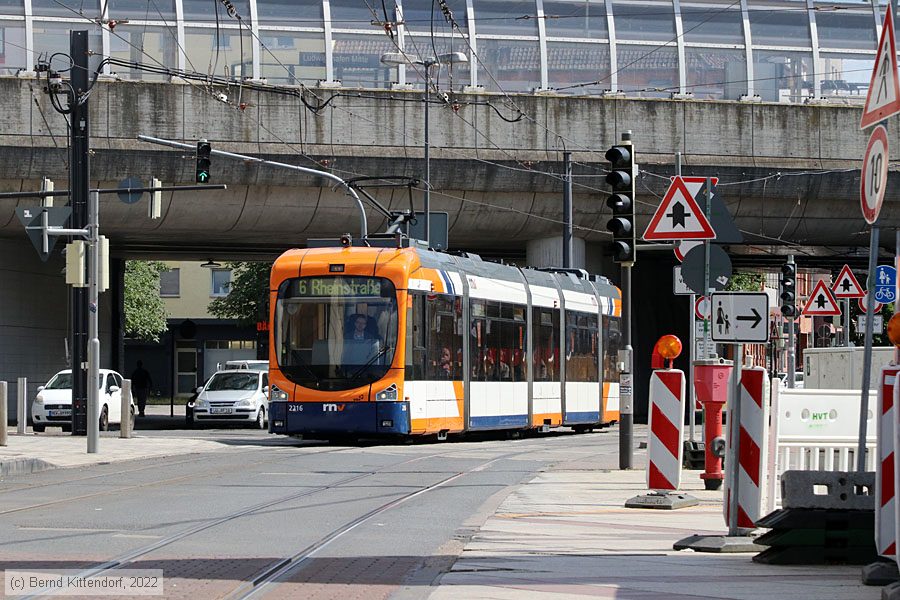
(387, 340)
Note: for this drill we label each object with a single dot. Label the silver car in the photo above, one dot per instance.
(234, 396)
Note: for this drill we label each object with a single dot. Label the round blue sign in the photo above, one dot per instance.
(125, 192)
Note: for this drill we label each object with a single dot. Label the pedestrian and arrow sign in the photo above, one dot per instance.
(821, 302)
(873, 181)
(846, 285)
(679, 217)
(883, 97)
(740, 317)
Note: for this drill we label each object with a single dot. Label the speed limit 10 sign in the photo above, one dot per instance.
(874, 175)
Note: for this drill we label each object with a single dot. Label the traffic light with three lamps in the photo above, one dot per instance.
(788, 285)
(621, 201)
(204, 151)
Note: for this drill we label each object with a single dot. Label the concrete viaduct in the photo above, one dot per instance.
(482, 165)
(490, 165)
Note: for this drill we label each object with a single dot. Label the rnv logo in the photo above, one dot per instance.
(332, 407)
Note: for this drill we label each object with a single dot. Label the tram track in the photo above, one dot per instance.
(278, 569)
(137, 486)
(267, 578)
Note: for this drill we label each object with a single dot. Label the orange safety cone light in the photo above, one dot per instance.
(669, 347)
(893, 330)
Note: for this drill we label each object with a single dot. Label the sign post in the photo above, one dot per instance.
(882, 101)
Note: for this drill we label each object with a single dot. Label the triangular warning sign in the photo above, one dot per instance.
(883, 97)
(679, 217)
(846, 285)
(821, 302)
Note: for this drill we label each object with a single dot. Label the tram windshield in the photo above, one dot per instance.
(335, 332)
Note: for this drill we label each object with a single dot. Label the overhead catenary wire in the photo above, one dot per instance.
(538, 172)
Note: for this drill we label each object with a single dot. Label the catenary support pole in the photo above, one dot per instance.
(867, 354)
(79, 184)
(567, 211)
(427, 196)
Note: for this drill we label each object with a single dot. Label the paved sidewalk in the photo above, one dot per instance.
(31, 453)
(566, 534)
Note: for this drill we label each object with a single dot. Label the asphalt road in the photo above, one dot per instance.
(276, 518)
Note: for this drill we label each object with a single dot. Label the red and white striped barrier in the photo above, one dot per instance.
(754, 431)
(664, 447)
(885, 505)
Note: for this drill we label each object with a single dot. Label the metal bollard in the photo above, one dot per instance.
(21, 410)
(125, 419)
(3, 415)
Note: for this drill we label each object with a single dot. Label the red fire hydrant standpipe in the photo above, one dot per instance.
(711, 379)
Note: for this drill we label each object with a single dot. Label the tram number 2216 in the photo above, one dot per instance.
(294, 407)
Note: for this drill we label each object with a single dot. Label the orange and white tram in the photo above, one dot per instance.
(403, 341)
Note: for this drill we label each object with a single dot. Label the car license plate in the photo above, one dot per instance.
(220, 411)
(66, 412)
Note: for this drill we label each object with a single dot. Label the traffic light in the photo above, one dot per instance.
(788, 290)
(204, 151)
(621, 201)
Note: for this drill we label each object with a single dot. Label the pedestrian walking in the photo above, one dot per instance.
(140, 384)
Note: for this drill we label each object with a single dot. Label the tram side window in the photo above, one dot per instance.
(444, 355)
(545, 325)
(498, 341)
(415, 337)
(612, 343)
(582, 351)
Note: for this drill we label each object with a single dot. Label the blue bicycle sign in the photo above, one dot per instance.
(885, 281)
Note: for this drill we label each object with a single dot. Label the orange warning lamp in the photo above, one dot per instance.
(669, 347)
(893, 330)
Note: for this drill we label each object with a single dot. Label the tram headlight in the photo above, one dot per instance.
(389, 393)
(277, 395)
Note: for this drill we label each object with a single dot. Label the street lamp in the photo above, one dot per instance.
(394, 59)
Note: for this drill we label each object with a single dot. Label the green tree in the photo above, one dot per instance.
(145, 313)
(248, 297)
(746, 282)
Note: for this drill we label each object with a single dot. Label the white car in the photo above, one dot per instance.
(234, 396)
(53, 404)
(254, 365)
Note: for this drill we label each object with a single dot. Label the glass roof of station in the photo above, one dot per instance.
(774, 51)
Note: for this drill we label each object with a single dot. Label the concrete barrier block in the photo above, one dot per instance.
(828, 489)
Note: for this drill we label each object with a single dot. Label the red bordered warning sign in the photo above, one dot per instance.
(883, 97)
(821, 302)
(679, 217)
(873, 182)
(846, 285)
